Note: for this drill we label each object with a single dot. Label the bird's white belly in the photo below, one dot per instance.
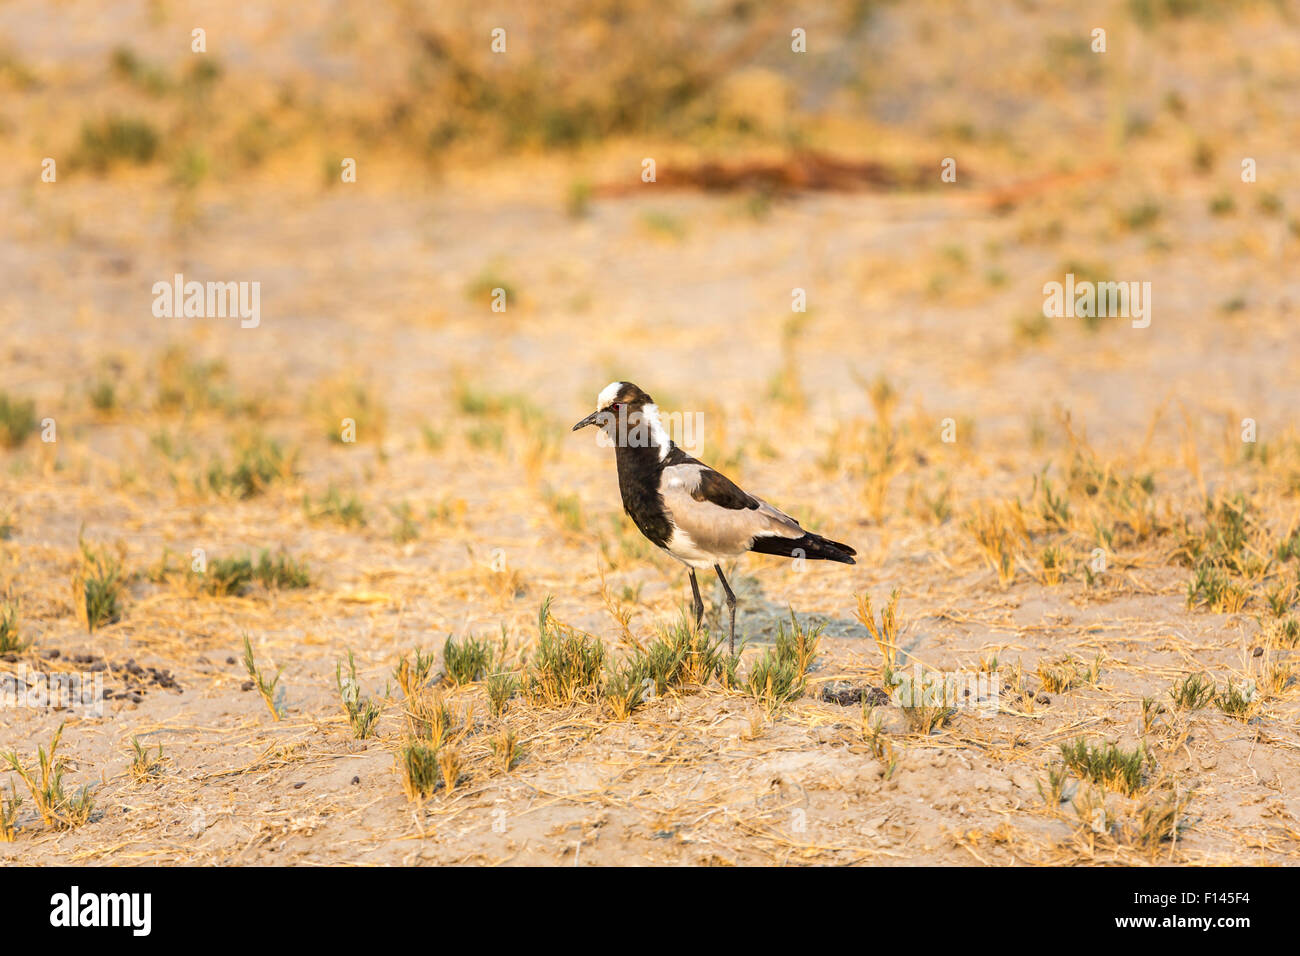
(682, 547)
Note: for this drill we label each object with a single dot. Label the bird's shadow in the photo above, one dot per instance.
(759, 619)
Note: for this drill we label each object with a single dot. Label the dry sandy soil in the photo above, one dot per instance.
(1093, 473)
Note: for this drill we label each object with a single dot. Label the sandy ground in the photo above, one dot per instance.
(385, 285)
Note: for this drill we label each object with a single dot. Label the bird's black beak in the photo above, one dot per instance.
(592, 419)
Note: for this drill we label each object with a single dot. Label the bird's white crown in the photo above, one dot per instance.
(608, 394)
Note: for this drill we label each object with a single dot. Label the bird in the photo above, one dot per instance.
(693, 512)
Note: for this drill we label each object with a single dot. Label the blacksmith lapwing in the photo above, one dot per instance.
(693, 512)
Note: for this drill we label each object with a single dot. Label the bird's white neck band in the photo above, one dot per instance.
(657, 433)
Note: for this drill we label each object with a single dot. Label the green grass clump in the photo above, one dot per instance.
(282, 571)
(352, 402)
(102, 394)
(272, 693)
(348, 511)
(225, 577)
(780, 675)
(467, 660)
(1229, 547)
(927, 707)
(481, 288)
(501, 688)
(1239, 701)
(101, 581)
(144, 765)
(420, 769)
(258, 463)
(567, 508)
(1067, 673)
(362, 712)
(116, 140)
(413, 673)
(799, 645)
(1211, 588)
(873, 733)
(1161, 817)
(624, 688)
(1107, 766)
(1142, 216)
(45, 782)
(9, 817)
(407, 529)
(189, 385)
(1193, 692)
(568, 665)
(17, 420)
(774, 681)
(147, 77)
(678, 656)
(662, 662)
(1222, 204)
(10, 642)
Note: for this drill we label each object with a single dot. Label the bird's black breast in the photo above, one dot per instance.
(639, 471)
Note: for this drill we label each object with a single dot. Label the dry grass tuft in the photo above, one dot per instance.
(144, 766)
(270, 690)
(362, 712)
(999, 532)
(10, 641)
(45, 784)
(885, 634)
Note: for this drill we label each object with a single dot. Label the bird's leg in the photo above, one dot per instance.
(698, 604)
(731, 607)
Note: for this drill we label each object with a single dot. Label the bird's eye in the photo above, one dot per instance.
(616, 406)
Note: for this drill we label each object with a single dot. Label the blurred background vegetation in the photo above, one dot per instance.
(420, 82)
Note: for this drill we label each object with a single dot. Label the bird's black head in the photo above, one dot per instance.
(617, 399)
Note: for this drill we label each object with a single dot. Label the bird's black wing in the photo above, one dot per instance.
(718, 489)
(713, 486)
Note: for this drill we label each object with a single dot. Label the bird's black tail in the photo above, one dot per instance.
(811, 546)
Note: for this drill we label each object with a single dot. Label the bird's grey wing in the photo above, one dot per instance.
(721, 490)
(715, 513)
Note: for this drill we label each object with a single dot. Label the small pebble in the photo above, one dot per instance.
(355, 781)
(1257, 652)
